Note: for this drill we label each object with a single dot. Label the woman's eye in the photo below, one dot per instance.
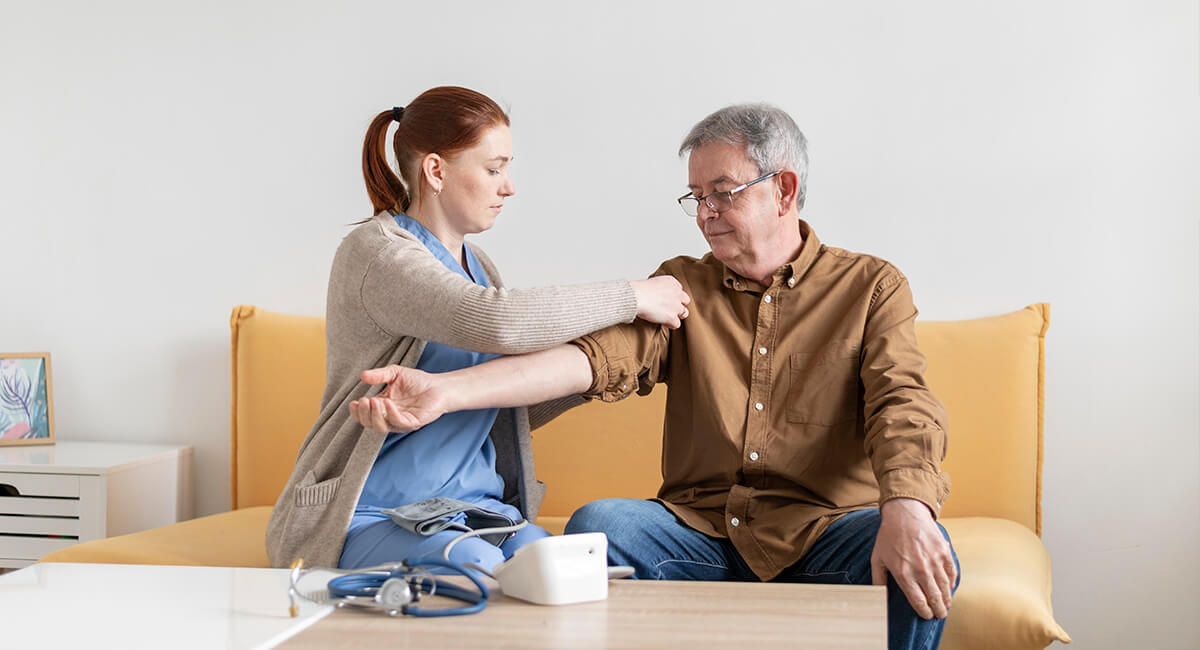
(494, 172)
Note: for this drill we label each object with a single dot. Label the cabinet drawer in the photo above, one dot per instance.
(37, 506)
(31, 548)
(68, 526)
(41, 485)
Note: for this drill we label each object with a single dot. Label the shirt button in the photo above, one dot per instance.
(767, 300)
(791, 282)
(624, 386)
(735, 522)
(758, 406)
(762, 350)
(754, 455)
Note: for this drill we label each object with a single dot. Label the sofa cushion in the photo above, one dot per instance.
(233, 539)
(989, 374)
(1003, 599)
(278, 377)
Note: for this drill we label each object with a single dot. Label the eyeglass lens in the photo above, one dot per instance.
(717, 202)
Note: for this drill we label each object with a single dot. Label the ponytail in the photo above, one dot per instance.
(384, 188)
(444, 120)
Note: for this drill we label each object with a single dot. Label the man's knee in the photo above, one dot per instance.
(598, 516)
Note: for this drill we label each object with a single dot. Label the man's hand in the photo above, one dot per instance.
(411, 400)
(911, 548)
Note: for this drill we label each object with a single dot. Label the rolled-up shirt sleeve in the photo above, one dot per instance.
(625, 359)
(906, 430)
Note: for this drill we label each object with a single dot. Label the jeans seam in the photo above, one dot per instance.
(658, 565)
(845, 574)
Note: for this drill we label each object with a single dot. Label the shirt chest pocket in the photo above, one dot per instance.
(823, 386)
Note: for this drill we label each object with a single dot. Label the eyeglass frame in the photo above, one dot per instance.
(706, 197)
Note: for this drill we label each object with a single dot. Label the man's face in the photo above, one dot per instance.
(744, 231)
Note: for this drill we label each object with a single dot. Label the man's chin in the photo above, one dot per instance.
(720, 251)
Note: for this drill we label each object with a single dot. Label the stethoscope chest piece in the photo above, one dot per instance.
(393, 595)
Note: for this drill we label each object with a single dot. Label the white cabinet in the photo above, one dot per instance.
(54, 496)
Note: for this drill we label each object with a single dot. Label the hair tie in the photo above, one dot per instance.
(397, 112)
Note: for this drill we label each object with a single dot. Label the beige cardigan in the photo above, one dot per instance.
(388, 295)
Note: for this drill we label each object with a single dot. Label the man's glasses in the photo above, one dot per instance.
(717, 201)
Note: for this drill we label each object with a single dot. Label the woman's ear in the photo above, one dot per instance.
(787, 191)
(433, 171)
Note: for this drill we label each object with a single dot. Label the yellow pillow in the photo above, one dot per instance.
(988, 373)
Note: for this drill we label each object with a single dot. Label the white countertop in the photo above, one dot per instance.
(71, 457)
(60, 605)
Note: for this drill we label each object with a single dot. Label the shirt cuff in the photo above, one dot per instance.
(613, 378)
(928, 487)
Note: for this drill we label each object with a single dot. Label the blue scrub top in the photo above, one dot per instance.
(452, 456)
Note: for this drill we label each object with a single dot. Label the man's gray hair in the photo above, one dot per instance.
(770, 136)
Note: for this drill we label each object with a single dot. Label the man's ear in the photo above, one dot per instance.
(786, 191)
(433, 170)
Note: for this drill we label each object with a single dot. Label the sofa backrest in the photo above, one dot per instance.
(987, 371)
(278, 378)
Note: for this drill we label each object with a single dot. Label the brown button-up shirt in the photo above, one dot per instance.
(790, 404)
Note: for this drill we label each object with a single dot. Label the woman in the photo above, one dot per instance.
(406, 289)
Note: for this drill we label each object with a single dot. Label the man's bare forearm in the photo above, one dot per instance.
(518, 380)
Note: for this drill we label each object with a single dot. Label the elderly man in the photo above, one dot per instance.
(801, 442)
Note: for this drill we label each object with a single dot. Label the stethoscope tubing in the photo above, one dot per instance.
(364, 585)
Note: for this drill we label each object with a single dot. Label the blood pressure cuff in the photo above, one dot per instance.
(442, 513)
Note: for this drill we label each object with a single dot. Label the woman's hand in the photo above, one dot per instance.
(411, 400)
(661, 300)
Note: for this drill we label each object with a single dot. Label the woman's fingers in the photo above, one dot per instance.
(398, 421)
(380, 375)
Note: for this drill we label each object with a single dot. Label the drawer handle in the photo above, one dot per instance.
(7, 490)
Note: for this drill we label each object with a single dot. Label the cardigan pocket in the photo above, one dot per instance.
(311, 493)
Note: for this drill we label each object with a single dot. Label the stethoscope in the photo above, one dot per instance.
(392, 588)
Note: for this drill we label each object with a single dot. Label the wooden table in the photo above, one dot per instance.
(637, 614)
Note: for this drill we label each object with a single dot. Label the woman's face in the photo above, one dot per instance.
(475, 182)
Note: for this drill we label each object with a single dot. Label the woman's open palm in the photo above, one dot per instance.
(410, 400)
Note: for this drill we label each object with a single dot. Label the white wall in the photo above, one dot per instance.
(160, 164)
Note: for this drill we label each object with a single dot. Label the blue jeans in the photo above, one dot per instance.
(652, 540)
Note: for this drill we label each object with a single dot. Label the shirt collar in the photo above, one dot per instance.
(440, 251)
(794, 269)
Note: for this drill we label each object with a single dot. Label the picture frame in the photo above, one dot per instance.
(26, 399)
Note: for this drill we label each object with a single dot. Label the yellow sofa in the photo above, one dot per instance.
(987, 371)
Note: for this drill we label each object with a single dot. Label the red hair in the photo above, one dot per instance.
(443, 120)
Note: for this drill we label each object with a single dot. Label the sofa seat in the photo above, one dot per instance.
(230, 539)
(1005, 577)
